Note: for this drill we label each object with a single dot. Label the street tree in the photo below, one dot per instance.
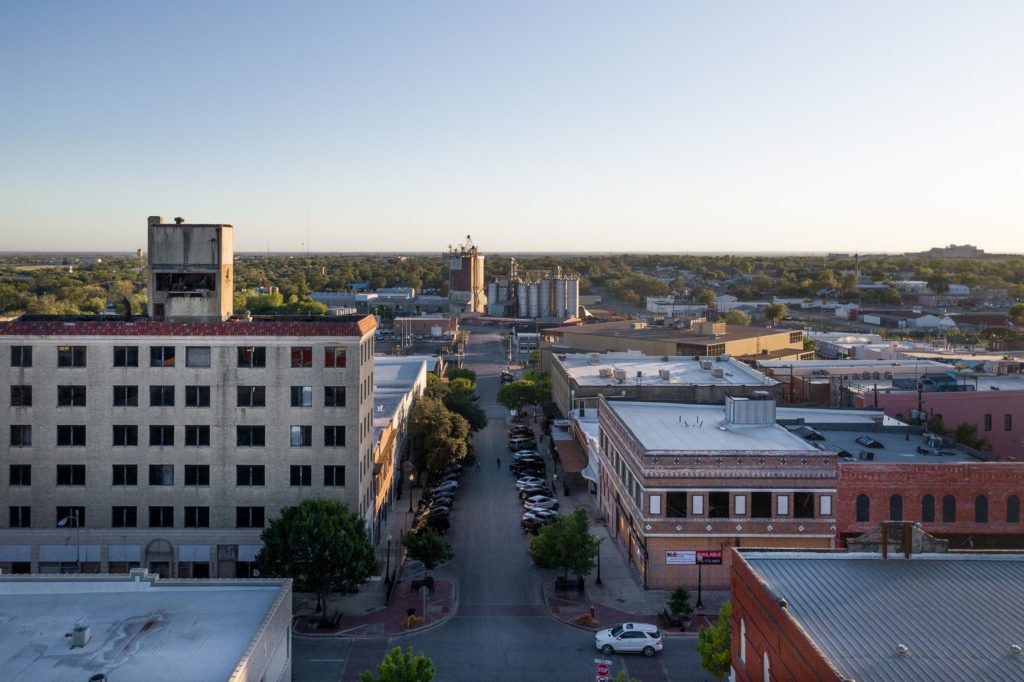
(737, 318)
(1016, 312)
(566, 544)
(773, 312)
(705, 296)
(967, 434)
(462, 373)
(439, 436)
(714, 643)
(427, 546)
(518, 394)
(399, 666)
(320, 545)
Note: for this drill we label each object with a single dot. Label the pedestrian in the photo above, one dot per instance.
(499, 462)
(478, 465)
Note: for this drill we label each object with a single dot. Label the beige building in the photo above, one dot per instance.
(190, 270)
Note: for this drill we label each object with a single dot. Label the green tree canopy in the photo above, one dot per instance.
(967, 434)
(705, 296)
(1016, 312)
(439, 436)
(462, 373)
(566, 544)
(714, 643)
(773, 312)
(518, 394)
(427, 546)
(399, 666)
(737, 318)
(320, 545)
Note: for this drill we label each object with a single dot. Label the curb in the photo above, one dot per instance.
(551, 614)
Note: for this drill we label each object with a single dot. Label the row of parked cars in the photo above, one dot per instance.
(436, 502)
(533, 490)
(520, 436)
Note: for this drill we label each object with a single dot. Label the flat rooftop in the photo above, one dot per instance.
(399, 370)
(957, 614)
(923, 365)
(340, 325)
(141, 629)
(682, 370)
(732, 333)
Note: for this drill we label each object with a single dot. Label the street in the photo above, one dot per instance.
(500, 630)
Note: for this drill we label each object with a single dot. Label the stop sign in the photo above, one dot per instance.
(602, 669)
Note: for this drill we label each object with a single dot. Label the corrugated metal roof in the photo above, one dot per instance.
(957, 614)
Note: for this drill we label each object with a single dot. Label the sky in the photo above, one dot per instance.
(565, 126)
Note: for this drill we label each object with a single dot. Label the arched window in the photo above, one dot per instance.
(981, 509)
(1013, 509)
(863, 508)
(928, 509)
(948, 509)
(895, 507)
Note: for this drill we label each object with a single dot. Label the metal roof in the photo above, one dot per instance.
(957, 614)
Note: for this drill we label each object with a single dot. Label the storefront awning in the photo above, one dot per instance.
(589, 473)
(569, 454)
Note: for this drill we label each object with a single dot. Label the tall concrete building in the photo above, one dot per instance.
(190, 270)
(466, 292)
(170, 444)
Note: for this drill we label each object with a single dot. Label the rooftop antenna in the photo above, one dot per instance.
(307, 232)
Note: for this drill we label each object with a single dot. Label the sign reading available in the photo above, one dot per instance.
(710, 557)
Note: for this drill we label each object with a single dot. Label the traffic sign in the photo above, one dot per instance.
(602, 669)
(602, 678)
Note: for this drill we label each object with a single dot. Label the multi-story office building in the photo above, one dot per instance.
(170, 445)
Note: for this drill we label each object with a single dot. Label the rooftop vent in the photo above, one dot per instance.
(594, 358)
(179, 221)
(79, 636)
(902, 650)
(742, 411)
(620, 375)
(664, 374)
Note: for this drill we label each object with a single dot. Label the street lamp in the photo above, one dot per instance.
(387, 566)
(412, 477)
(598, 581)
(78, 544)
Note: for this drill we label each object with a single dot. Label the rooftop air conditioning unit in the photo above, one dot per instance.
(718, 372)
(594, 358)
(80, 636)
(620, 375)
(664, 374)
(705, 364)
(639, 373)
(605, 372)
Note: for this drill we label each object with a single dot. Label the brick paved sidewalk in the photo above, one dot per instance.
(567, 606)
(388, 621)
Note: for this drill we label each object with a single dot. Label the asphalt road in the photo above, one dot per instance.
(500, 630)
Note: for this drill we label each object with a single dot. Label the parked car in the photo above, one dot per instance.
(439, 522)
(507, 378)
(526, 481)
(629, 637)
(517, 429)
(541, 501)
(534, 490)
(447, 485)
(544, 514)
(525, 453)
(528, 468)
(520, 443)
(532, 525)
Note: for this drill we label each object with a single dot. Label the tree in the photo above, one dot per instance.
(714, 643)
(517, 394)
(566, 544)
(773, 312)
(705, 296)
(462, 373)
(1016, 312)
(439, 436)
(428, 547)
(320, 545)
(967, 434)
(737, 318)
(679, 603)
(399, 666)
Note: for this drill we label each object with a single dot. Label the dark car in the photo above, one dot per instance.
(520, 431)
(529, 469)
(507, 378)
(439, 522)
(530, 491)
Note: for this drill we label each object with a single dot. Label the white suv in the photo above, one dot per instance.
(629, 637)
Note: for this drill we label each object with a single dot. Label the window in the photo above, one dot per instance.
(981, 509)
(761, 505)
(675, 505)
(252, 396)
(161, 396)
(743, 640)
(250, 474)
(988, 422)
(796, 337)
(124, 517)
(71, 436)
(928, 509)
(825, 505)
(334, 396)
(248, 517)
(197, 474)
(863, 508)
(125, 435)
(126, 356)
(895, 507)
(70, 474)
(334, 436)
(1007, 422)
(197, 356)
(655, 504)
(161, 517)
(250, 436)
(334, 356)
(161, 474)
(71, 396)
(71, 356)
(766, 669)
(301, 474)
(302, 436)
(252, 356)
(197, 517)
(161, 356)
(71, 516)
(161, 436)
(126, 396)
(740, 505)
(125, 474)
(21, 396)
(302, 396)
(334, 475)
(1013, 509)
(697, 502)
(197, 396)
(21, 436)
(948, 509)
(21, 356)
(803, 505)
(718, 505)
(302, 356)
(21, 517)
(197, 436)
(782, 505)
(21, 474)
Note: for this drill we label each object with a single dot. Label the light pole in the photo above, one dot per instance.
(598, 581)
(78, 537)
(412, 478)
(387, 565)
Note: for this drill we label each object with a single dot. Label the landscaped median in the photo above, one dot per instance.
(391, 620)
(579, 610)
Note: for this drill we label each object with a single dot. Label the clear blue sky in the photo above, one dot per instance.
(564, 126)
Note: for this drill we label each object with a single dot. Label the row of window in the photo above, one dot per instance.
(127, 435)
(724, 505)
(195, 475)
(1007, 422)
(981, 509)
(195, 356)
(195, 396)
(128, 517)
